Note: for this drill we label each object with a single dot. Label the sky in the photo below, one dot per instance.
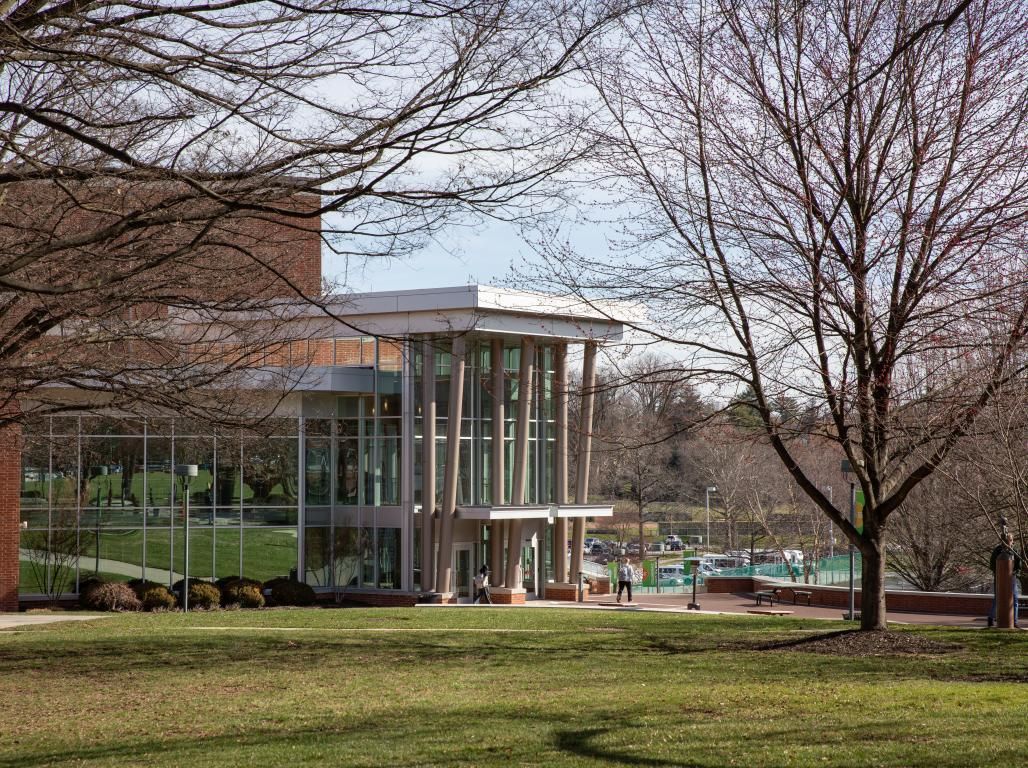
(457, 256)
(485, 254)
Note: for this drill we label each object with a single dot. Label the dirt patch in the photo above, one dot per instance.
(860, 644)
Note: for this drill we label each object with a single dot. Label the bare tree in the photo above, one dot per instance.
(159, 160)
(820, 194)
(934, 539)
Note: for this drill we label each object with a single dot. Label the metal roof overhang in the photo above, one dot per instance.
(527, 512)
(585, 510)
(534, 512)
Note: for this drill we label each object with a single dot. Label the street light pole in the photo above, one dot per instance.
(831, 525)
(100, 472)
(853, 508)
(185, 471)
(847, 470)
(710, 489)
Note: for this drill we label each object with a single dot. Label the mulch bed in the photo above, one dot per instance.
(861, 644)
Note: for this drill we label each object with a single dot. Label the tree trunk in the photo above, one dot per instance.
(872, 584)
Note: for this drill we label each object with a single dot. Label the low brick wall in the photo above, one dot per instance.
(958, 603)
(507, 597)
(599, 586)
(566, 592)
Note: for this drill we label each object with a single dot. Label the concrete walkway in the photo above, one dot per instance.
(14, 620)
(742, 604)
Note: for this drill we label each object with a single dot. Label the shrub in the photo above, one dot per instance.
(86, 588)
(157, 598)
(245, 595)
(286, 592)
(114, 596)
(245, 592)
(140, 586)
(204, 595)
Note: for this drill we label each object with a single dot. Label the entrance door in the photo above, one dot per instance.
(463, 567)
(528, 567)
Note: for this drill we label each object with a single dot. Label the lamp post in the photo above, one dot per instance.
(847, 470)
(710, 489)
(185, 471)
(831, 525)
(101, 471)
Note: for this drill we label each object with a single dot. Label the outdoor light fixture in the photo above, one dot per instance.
(710, 489)
(186, 472)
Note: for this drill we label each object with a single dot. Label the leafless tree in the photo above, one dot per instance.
(933, 539)
(818, 195)
(158, 160)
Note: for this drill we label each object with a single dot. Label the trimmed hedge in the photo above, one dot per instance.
(246, 593)
(204, 595)
(286, 592)
(157, 598)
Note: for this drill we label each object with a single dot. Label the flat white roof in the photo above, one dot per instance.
(480, 308)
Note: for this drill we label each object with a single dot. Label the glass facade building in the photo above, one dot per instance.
(330, 490)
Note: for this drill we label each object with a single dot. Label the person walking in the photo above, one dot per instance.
(482, 586)
(1005, 545)
(626, 573)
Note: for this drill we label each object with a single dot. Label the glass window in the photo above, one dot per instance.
(347, 472)
(270, 471)
(317, 548)
(226, 549)
(269, 552)
(318, 471)
(367, 555)
(346, 564)
(388, 558)
(389, 472)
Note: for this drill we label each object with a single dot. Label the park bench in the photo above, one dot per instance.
(799, 594)
(777, 593)
(767, 594)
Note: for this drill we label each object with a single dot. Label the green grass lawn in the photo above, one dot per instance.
(495, 687)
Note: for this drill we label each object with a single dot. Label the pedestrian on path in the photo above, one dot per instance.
(482, 586)
(626, 573)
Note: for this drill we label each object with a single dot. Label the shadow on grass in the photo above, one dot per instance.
(580, 742)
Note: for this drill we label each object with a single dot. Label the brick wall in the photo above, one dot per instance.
(565, 592)
(838, 597)
(10, 523)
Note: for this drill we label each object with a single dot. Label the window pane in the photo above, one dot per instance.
(347, 556)
(388, 558)
(317, 556)
(269, 552)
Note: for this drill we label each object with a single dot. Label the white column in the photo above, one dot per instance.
(560, 470)
(451, 469)
(585, 430)
(496, 529)
(427, 466)
(517, 489)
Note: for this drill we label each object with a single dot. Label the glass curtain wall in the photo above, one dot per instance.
(99, 495)
(474, 485)
(353, 473)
